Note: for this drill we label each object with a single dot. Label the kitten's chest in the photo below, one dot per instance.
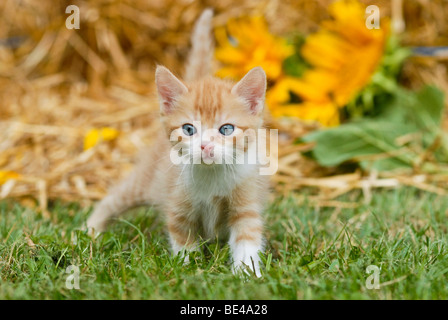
(213, 218)
(204, 185)
(210, 191)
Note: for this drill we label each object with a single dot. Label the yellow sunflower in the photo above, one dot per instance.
(318, 108)
(344, 54)
(246, 43)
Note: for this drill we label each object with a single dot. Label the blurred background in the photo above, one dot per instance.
(77, 105)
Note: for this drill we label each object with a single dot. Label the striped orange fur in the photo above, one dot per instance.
(217, 200)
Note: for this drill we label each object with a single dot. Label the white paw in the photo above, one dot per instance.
(245, 258)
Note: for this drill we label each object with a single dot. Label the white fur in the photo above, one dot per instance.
(206, 182)
(245, 254)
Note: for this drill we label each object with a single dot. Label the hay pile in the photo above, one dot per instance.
(56, 84)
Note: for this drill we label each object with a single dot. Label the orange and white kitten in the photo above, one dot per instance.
(205, 195)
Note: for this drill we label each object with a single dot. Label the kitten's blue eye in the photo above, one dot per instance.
(188, 129)
(226, 129)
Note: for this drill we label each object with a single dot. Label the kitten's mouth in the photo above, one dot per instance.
(211, 154)
(208, 159)
(208, 156)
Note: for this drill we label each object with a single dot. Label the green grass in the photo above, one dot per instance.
(311, 253)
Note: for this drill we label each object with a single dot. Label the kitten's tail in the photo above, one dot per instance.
(199, 62)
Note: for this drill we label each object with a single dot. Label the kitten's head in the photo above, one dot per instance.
(209, 119)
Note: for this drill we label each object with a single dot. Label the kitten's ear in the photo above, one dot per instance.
(169, 88)
(252, 89)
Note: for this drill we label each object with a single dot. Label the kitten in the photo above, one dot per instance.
(205, 193)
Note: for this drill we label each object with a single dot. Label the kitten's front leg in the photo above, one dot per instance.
(129, 193)
(182, 232)
(246, 239)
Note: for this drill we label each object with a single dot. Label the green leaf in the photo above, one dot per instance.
(409, 112)
(428, 109)
(355, 140)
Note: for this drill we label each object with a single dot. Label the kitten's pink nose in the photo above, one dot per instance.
(207, 149)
